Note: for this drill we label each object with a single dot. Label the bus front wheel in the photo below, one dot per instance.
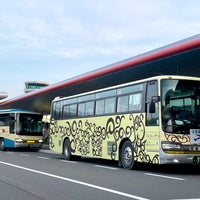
(127, 155)
(67, 150)
(2, 144)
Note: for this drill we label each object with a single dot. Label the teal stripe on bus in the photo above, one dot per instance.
(9, 143)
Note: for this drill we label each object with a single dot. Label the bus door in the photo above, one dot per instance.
(7, 130)
(10, 123)
(152, 119)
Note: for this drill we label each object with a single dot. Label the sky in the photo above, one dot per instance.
(48, 40)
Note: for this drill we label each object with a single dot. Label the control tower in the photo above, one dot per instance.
(34, 85)
(3, 95)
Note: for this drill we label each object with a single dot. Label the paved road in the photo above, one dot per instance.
(46, 176)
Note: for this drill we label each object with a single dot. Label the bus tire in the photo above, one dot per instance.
(2, 145)
(67, 150)
(127, 155)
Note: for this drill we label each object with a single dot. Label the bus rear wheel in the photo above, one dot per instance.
(2, 144)
(67, 150)
(127, 155)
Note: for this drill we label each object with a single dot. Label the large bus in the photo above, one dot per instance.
(20, 128)
(154, 120)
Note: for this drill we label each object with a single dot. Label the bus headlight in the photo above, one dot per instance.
(171, 146)
(40, 141)
(19, 140)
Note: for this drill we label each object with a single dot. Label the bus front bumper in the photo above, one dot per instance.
(179, 158)
(28, 143)
(37, 146)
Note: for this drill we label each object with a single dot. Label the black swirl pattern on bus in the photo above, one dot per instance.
(177, 137)
(85, 135)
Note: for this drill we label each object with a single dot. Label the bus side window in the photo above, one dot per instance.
(110, 105)
(81, 109)
(2, 123)
(100, 106)
(122, 103)
(57, 110)
(152, 119)
(7, 120)
(66, 111)
(4, 120)
(89, 108)
(73, 110)
(135, 102)
(69, 111)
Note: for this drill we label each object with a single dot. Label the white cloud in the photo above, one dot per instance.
(66, 29)
(64, 38)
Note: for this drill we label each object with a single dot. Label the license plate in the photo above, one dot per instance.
(30, 141)
(196, 160)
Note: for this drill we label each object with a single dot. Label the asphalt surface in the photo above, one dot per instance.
(44, 175)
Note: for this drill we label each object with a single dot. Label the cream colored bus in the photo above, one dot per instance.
(154, 120)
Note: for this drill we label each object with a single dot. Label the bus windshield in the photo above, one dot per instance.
(29, 124)
(180, 105)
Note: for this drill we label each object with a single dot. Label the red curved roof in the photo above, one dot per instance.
(156, 60)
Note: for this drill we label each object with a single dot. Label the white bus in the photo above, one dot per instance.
(154, 120)
(20, 128)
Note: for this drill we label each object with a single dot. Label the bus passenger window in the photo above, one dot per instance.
(66, 112)
(89, 108)
(57, 110)
(122, 104)
(110, 105)
(81, 109)
(72, 110)
(135, 101)
(99, 110)
(69, 111)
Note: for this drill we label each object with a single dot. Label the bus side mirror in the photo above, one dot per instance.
(52, 121)
(152, 105)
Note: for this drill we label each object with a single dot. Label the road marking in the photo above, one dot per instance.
(47, 151)
(168, 177)
(45, 158)
(25, 155)
(69, 161)
(104, 167)
(186, 199)
(76, 181)
(10, 152)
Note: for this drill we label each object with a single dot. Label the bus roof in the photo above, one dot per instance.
(179, 58)
(16, 111)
